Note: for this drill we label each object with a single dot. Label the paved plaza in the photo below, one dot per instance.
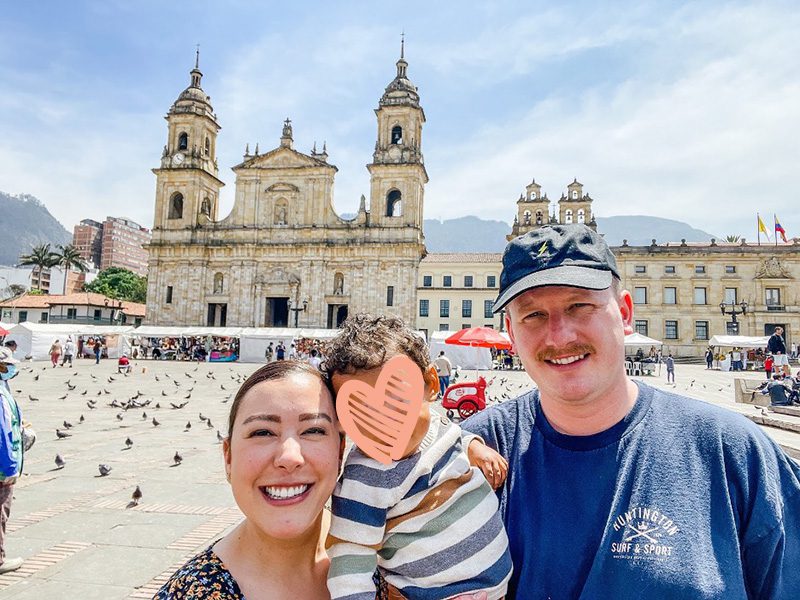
(76, 529)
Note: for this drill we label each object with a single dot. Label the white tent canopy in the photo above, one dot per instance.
(34, 339)
(637, 339)
(465, 357)
(741, 341)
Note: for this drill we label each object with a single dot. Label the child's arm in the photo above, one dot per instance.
(490, 462)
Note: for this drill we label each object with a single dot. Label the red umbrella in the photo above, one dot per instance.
(4, 331)
(479, 337)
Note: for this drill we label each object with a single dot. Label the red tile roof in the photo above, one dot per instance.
(132, 309)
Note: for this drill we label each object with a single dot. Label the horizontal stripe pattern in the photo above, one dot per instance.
(435, 532)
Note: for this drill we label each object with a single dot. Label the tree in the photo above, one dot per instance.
(732, 238)
(120, 284)
(69, 258)
(41, 258)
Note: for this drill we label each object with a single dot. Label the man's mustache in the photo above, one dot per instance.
(571, 350)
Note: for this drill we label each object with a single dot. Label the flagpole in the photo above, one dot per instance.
(758, 228)
(775, 226)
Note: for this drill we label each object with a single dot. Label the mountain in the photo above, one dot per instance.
(26, 222)
(472, 234)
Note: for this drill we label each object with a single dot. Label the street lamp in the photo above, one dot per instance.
(502, 320)
(297, 309)
(733, 309)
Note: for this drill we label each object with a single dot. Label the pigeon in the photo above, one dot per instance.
(84, 392)
(155, 423)
(157, 379)
(764, 413)
(208, 423)
(119, 416)
(128, 442)
(106, 392)
(144, 416)
(67, 425)
(222, 387)
(32, 399)
(62, 434)
(188, 425)
(177, 459)
(219, 437)
(187, 396)
(99, 393)
(71, 387)
(104, 470)
(36, 378)
(202, 418)
(91, 406)
(64, 397)
(158, 404)
(81, 420)
(60, 462)
(163, 393)
(136, 496)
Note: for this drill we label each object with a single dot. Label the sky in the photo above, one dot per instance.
(683, 110)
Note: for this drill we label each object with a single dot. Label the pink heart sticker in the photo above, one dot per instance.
(381, 419)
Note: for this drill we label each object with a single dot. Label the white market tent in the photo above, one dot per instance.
(637, 339)
(465, 357)
(34, 339)
(741, 341)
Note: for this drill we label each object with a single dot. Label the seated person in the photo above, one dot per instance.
(123, 364)
(778, 391)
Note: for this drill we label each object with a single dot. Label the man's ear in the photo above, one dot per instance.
(431, 379)
(625, 302)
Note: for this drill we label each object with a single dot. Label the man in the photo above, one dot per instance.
(268, 353)
(69, 352)
(10, 452)
(444, 368)
(670, 369)
(709, 358)
(616, 489)
(779, 391)
(777, 347)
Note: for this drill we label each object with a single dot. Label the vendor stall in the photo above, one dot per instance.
(34, 339)
(735, 341)
(647, 365)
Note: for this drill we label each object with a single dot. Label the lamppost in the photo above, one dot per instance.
(733, 309)
(502, 320)
(297, 309)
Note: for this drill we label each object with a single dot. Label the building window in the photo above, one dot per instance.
(447, 280)
(732, 328)
(467, 280)
(465, 326)
(487, 309)
(574, 194)
(670, 295)
(700, 269)
(169, 295)
(444, 308)
(98, 314)
(44, 318)
(640, 326)
(700, 295)
(640, 295)
(669, 269)
(22, 316)
(466, 308)
(671, 330)
(183, 141)
(640, 269)
(208, 146)
(730, 269)
(444, 327)
(394, 205)
(72, 313)
(390, 295)
(491, 281)
(772, 297)
(568, 216)
(581, 216)
(701, 330)
(397, 134)
(731, 296)
(427, 281)
(424, 308)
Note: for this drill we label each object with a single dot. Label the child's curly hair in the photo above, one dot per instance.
(367, 342)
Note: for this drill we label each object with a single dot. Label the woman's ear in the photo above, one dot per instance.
(226, 452)
(431, 379)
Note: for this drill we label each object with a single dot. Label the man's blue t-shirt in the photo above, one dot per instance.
(681, 499)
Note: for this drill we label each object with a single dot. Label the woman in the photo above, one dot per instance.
(282, 458)
(55, 353)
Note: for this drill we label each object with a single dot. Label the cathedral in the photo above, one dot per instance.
(283, 257)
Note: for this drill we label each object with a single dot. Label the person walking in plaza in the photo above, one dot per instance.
(444, 368)
(616, 489)
(98, 349)
(709, 358)
(777, 347)
(55, 353)
(69, 352)
(280, 351)
(11, 450)
(768, 365)
(268, 353)
(670, 362)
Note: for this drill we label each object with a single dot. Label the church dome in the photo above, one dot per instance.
(400, 90)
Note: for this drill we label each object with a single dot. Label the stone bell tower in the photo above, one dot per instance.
(533, 210)
(397, 171)
(576, 207)
(187, 182)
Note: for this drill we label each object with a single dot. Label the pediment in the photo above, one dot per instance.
(283, 187)
(282, 158)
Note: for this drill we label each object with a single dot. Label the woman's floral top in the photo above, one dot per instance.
(202, 577)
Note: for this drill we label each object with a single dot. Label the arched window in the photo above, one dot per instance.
(183, 141)
(397, 134)
(208, 146)
(533, 195)
(338, 284)
(568, 216)
(539, 217)
(394, 205)
(581, 216)
(176, 206)
(574, 194)
(219, 283)
(526, 217)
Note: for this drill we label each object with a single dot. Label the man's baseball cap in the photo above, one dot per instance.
(571, 255)
(6, 356)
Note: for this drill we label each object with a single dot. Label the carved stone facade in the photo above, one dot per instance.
(534, 209)
(283, 256)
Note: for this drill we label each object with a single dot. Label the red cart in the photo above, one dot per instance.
(467, 398)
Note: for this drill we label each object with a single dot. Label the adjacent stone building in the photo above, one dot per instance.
(283, 256)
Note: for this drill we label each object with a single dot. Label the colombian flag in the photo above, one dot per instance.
(779, 229)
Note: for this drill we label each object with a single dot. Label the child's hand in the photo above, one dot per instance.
(492, 464)
(478, 596)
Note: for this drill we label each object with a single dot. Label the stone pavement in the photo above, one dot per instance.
(75, 529)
